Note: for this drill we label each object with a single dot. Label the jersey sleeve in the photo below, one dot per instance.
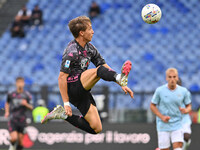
(9, 97)
(97, 59)
(187, 98)
(66, 64)
(156, 97)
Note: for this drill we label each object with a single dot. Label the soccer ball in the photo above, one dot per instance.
(151, 13)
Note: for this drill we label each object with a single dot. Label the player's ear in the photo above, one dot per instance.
(81, 33)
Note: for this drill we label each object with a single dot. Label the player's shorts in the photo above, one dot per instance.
(16, 125)
(187, 128)
(80, 97)
(164, 138)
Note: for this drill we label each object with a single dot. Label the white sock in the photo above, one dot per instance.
(178, 148)
(189, 142)
(186, 144)
(118, 77)
(66, 116)
(12, 147)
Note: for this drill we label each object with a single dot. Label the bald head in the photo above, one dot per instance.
(172, 77)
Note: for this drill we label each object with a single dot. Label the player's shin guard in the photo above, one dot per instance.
(80, 123)
(106, 74)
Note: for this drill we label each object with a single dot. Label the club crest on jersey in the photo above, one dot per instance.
(67, 63)
(179, 95)
(84, 63)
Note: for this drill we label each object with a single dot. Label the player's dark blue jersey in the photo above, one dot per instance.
(76, 59)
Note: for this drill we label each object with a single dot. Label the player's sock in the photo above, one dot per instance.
(19, 147)
(189, 142)
(106, 74)
(12, 146)
(80, 123)
(178, 148)
(186, 144)
(12, 143)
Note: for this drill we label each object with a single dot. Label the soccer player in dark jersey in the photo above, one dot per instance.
(17, 103)
(75, 81)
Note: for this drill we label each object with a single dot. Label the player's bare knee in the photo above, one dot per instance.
(96, 127)
(177, 145)
(13, 139)
(98, 130)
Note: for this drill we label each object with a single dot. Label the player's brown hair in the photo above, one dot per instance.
(78, 24)
(19, 78)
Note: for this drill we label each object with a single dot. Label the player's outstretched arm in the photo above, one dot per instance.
(62, 82)
(155, 110)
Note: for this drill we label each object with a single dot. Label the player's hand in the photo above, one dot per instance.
(68, 110)
(127, 90)
(165, 119)
(24, 102)
(183, 110)
(6, 115)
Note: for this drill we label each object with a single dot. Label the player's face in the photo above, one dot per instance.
(172, 78)
(88, 33)
(20, 85)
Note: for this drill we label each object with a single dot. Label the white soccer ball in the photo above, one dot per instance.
(151, 13)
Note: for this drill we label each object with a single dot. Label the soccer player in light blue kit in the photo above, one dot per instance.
(167, 103)
(186, 123)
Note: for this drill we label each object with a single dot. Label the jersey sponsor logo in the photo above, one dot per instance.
(67, 63)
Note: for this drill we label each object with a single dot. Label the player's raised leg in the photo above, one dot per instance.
(93, 119)
(90, 123)
(90, 77)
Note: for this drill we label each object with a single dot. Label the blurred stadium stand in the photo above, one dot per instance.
(8, 10)
(119, 30)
